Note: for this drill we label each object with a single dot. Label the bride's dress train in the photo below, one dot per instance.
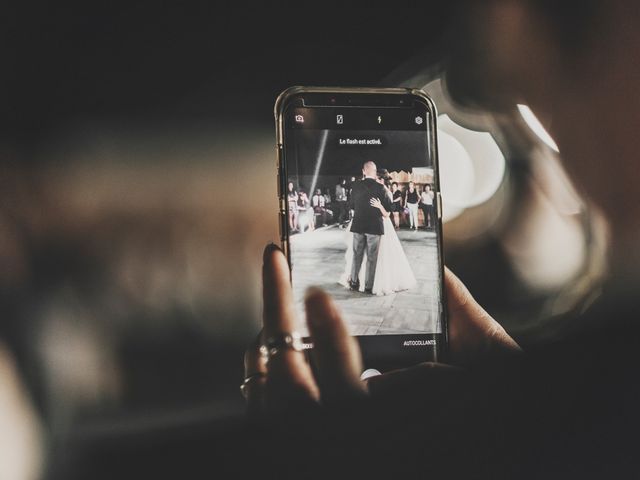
(393, 272)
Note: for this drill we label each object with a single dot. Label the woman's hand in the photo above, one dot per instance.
(376, 203)
(286, 378)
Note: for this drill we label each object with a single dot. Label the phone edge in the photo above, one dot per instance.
(442, 352)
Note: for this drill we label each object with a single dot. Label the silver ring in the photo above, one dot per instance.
(248, 380)
(284, 341)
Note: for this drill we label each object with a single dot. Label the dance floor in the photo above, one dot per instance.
(318, 259)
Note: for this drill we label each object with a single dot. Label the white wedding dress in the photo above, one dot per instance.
(393, 272)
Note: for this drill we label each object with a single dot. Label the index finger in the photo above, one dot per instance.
(279, 312)
(289, 376)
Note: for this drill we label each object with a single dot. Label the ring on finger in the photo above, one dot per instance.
(284, 341)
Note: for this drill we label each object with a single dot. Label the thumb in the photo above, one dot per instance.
(472, 331)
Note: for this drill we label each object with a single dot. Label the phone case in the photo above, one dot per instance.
(279, 110)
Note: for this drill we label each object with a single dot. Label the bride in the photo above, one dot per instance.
(393, 272)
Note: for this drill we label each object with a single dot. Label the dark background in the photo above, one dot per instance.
(157, 64)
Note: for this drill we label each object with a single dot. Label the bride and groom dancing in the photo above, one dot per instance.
(375, 260)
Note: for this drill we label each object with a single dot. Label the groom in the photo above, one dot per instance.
(367, 226)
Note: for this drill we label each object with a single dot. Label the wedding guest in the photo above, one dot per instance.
(292, 202)
(426, 205)
(328, 205)
(318, 203)
(341, 200)
(327, 198)
(306, 216)
(396, 194)
(411, 202)
(350, 187)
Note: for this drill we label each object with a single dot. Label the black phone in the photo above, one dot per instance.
(360, 215)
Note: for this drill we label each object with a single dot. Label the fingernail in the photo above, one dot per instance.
(271, 247)
(312, 292)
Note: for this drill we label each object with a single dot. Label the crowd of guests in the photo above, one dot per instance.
(406, 204)
(330, 206)
(304, 212)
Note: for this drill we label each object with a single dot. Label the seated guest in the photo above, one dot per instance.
(306, 216)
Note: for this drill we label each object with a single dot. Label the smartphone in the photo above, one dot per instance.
(360, 215)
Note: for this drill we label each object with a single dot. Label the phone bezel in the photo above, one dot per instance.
(354, 93)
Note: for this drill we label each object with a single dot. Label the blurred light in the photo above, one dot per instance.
(456, 176)
(486, 157)
(472, 167)
(323, 144)
(546, 251)
(537, 128)
(21, 436)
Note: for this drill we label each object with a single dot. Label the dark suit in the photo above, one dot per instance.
(368, 219)
(367, 227)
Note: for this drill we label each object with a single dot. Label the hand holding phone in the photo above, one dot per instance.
(347, 160)
(287, 380)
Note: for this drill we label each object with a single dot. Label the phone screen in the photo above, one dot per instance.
(359, 184)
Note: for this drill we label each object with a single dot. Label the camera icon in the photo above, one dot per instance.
(299, 119)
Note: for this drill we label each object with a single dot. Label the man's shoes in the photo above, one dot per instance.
(368, 291)
(355, 286)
